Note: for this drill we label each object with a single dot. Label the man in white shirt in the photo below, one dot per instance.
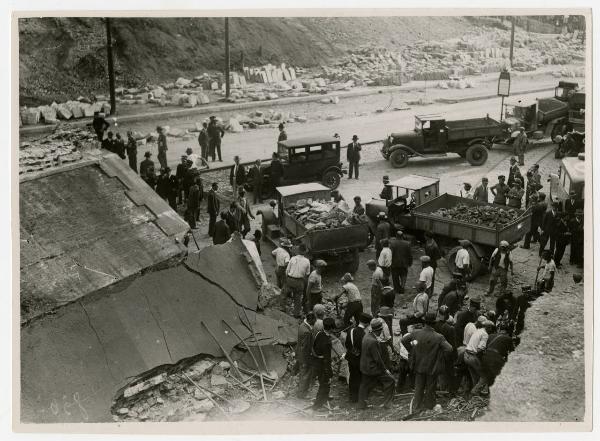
(463, 260)
(298, 270)
(467, 191)
(426, 275)
(282, 258)
(377, 283)
(385, 259)
(475, 347)
(314, 287)
(500, 263)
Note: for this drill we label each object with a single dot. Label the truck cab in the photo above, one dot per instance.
(432, 131)
(564, 90)
(570, 177)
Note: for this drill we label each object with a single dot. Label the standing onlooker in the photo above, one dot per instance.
(314, 286)
(221, 233)
(572, 205)
(549, 223)
(467, 191)
(303, 354)
(269, 217)
(385, 260)
(162, 184)
(109, 142)
(427, 350)
(538, 210)
(193, 204)
(401, 261)
(162, 147)
(433, 251)
(500, 263)
(546, 282)
(321, 361)
(255, 178)
(353, 156)
(463, 259)
(500, 190)
(513, 173)
(374, 367)
(233, 217)
(147, 172)
(215, 133)
(354, 339)
(282, 134)
(354, 306)
(520, 144)
(563, 238)
(382, 231)
(515, 194)
(180, 175)
(173, 190)
(465, 317)
(473, 352)
(132, 151)
(276, 170)
(377, 283)
(576, 228)
(282, 258)
(237, 175)
(246, 212)
(481, 191)
(420, 308)
(426, 275)
(203, 141)
(213, 207)
(100, 125)
(119, 146)
(298, 270)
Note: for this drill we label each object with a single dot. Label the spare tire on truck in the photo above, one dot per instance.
(477, 154)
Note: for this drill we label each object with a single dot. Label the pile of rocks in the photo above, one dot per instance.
(269, 73)
(80, 108)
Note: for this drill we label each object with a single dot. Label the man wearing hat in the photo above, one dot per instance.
(464, 317)
(215, 133)
(463, 259)
(420, 308)
(353, 156)
(445, 327)
(520, 144)
(354, 339)
(282, 135)
(374, 367)
(321, 361)
(549, 222)
(500, 263)
(147, 172)
(296, 274)
(563, 237)
(377, 283)
(401, 261)
(237, 175)
(314, 287)
(382, 231)
(538, 210)
(426, 275)
(576, 228)
(386, 192)
(100, 125)
(195, 196)
(303, 354)
(481, 191)
(467, 191)
(515, 195)
(572, 204)
(354, 306)
(282, 258)
(213, 207)
(513, 173)
(426, 346)
(162, 147)
(180, 172)
(203, 141)
(221, 233)
(500, 190)
(131, 149)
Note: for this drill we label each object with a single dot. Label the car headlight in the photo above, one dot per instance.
(558, 139)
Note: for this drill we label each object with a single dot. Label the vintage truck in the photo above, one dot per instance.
(434, 136)
(334, 245)
(570, 177)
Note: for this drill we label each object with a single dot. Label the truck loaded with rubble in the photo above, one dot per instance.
(309, 216)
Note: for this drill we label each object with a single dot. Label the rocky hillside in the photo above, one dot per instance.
(62, 58)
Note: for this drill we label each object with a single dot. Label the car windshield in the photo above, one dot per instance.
(418, 125)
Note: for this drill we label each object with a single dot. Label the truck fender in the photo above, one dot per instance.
(407, 149)
(483, 141)
(549, 131)
(335, 169)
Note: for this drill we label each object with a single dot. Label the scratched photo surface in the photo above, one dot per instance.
(303, 219)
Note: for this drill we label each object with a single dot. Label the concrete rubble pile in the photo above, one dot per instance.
(322, 215)
(61, 147)
(487, 215)
(80, 108)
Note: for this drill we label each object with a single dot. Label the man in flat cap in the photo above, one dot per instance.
(520, 144)
(386, 192)
(314, 286)
(426, 275)
(500, 190)
(513, 173)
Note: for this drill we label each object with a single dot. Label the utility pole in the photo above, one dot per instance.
(512, 40)
(111, 68)
(227, 87)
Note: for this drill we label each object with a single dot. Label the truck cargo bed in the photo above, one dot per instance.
(473, 128)
(478, 234)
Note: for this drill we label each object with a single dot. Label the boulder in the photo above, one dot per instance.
(204, 98)
(88, 110)
(48, 115)
(214, 85)
(218, 380)
(158, 92)
(30, 116)
(272, 96)
(269, 295)
(181, 82)
(63, 112)
(235, 126)
(301, 119)
(76, 108)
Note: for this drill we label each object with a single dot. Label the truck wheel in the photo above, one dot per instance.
(477, 154)
(331, 179)
(399, 158)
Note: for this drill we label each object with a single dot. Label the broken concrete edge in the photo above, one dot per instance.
(225, 107)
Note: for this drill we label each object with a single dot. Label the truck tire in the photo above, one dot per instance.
(399, 158)
(476, 267)
(477, 154)
(331, 179)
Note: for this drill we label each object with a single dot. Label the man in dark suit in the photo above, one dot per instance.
(321, 361)
(353, 156)
(276, 170)
(303, 354)
(549, 223)
(427, 349)
(354, 339)
(538, 209)
(374, 367)
(221, 233)
(572, 205)
(401, 261)
(237, 175)
(513, 173)
(576, 228)
(213, 206)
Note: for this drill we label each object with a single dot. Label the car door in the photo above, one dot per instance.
(434, 136)
(295, 168)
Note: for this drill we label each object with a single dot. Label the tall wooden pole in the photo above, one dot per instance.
(111, 68)
(227, 61)
(512, 40)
